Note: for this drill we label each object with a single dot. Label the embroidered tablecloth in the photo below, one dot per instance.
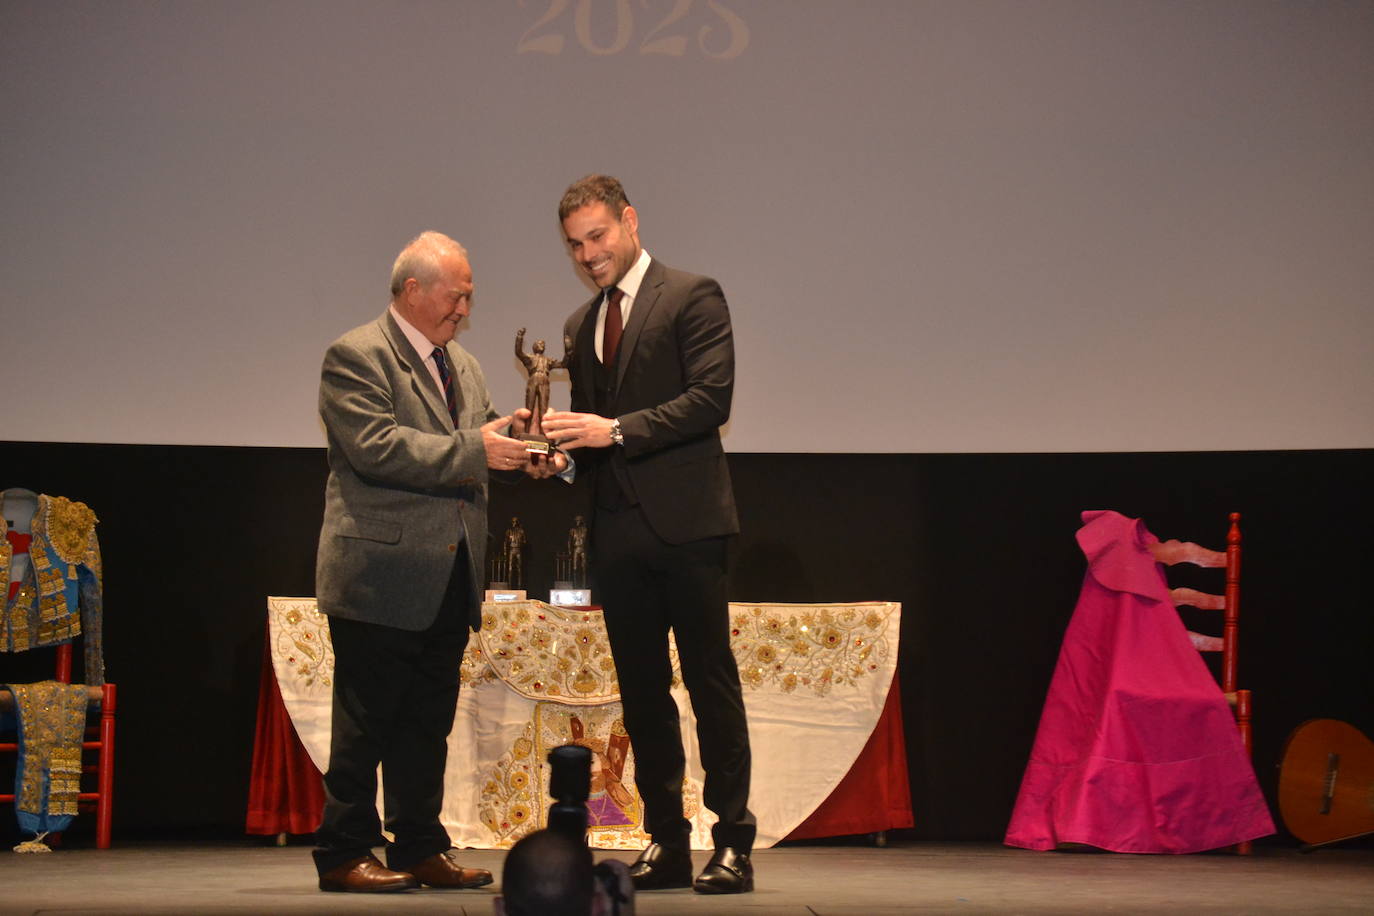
(815, 680)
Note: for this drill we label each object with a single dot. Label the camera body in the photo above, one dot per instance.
(570, 783)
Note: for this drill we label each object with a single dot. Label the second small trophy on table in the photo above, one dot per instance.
(570, 578)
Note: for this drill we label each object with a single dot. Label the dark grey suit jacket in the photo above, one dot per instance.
(675, 376)
(405, 487)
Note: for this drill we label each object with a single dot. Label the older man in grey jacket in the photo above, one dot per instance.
(412, 438)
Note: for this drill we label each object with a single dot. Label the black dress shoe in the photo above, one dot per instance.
(728, 872)
(660, 867)
(365, 875)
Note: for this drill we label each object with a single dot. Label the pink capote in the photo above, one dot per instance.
(1137, 750)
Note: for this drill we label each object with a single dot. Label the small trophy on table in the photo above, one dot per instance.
(508, 566)
(538, 366)
(570, 583)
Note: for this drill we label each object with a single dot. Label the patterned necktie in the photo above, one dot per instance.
(442, 364)
(610, 337)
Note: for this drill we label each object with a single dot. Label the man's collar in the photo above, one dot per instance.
(629, 284)
(422, 344)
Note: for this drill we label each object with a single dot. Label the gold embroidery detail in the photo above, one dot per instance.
(57, 619)
(543, 652)
(800, 646)
(514, 800)
(53, 721)
(506, 802)
(615, 811)
(64, 780)
(19, 623)
(69, 526)
(302, 641)
(474, 669)
(48, 575)
(93, 561)
(6, 557)
(50, 582)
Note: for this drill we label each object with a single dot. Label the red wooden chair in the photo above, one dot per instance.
(100, 739)
(1173, 552)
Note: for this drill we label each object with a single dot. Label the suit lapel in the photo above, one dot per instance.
(585, 342)
(421, 381)
(650, 288)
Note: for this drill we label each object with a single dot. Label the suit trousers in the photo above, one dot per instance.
(395, 695)
(647, 587)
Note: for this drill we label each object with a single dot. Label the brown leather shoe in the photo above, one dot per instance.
(365, 875)
(440, 870)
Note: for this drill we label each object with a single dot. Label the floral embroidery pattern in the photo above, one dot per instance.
(302, 640)
(815, 648)
(514, 797)
(544, 652)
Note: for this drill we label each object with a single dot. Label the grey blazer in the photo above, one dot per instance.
(405, 488)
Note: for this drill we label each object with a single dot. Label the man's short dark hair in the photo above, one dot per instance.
(593, 189)
(548, 874)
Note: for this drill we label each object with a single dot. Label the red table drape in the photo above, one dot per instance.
(286, 794)
(875, 794)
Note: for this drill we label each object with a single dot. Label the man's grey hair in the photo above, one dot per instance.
(420, 259)
(590, 190)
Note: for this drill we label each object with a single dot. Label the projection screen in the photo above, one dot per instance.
(941, 225)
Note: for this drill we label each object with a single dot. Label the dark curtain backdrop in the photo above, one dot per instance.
(978, 548)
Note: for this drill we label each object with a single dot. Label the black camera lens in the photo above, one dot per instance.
(570, 773)
(570, 782)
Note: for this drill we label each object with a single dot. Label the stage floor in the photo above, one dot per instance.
(907, 877)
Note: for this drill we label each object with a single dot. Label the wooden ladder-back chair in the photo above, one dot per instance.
(1173, 552)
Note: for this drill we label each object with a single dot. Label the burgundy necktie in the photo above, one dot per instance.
(442, 365)
(610, 337)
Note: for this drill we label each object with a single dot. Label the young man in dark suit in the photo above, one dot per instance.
(653, 371)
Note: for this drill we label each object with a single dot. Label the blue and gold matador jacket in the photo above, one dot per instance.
(59, 594)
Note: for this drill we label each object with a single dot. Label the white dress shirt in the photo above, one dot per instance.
(423, 346)
(629, 285)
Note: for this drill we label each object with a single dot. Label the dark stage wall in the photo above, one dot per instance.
(978, 548)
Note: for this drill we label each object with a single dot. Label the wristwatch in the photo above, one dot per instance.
(616, 435)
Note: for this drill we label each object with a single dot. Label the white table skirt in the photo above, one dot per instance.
(815, 680)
